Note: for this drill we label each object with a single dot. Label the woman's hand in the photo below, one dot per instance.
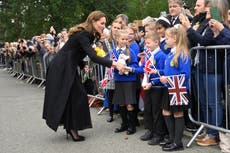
(127, 69)
(216, 26)
(184, 21)
(118, 66)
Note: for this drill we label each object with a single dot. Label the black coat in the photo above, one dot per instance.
(207, 39)
(63, 83)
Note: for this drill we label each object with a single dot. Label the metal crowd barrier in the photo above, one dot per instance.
(97, 75)
(30, 68)
(217, 51)
(33, 68)
(2, 60)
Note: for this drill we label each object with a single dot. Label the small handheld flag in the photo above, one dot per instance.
(177, 90)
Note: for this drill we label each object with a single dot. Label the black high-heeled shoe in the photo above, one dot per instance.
(79, 137)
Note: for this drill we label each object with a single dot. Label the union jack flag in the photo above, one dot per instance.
(103, 82)
(142, 61)
(177, 90)
(148, 53)
(148, 65)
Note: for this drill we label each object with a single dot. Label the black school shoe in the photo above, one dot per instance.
(110, 119)
(172, 147)
(155, 141)
(165, 141)
(147, 136)
(121, 129)
(130, 131)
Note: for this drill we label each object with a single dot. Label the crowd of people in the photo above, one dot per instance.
(141, 57)
(42, 47)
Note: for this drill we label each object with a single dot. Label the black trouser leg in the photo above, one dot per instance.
(179, 128)
(169, 121)
(158, 123)
(111, 109)
(111, 105)
(148, 118)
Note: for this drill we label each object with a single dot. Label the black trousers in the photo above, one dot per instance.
(153, 118)
(110, 99)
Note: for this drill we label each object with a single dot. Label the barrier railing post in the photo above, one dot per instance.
(218, 63)
(195, 135)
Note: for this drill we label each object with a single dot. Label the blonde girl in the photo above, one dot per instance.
(125, 84)
(177, 63)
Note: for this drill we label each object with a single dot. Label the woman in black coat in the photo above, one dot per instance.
(66, 100)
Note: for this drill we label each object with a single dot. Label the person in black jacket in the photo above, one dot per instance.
(66, 100)
(211, 74)
(176, 7)
(199, 24)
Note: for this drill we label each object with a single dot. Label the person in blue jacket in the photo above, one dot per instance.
(125, 83)
(161, 25)
(153, 89)
(177, 63)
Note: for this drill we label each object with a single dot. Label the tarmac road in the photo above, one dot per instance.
(23, 130)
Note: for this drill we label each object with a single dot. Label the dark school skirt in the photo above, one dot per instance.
(173, 108)
(125, 93)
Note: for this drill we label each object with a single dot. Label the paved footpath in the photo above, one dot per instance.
(22, 129)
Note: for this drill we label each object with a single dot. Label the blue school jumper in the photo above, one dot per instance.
(183, 67)
(133, 64)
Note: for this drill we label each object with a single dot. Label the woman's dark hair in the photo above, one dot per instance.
(88, 24)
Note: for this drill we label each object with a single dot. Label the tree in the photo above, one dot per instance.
(139, 9)
(26, 18)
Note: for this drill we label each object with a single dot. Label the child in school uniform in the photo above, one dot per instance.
(125, 84)
(110, 44)
(177, 62)
(161, 25)
(154, 89)
(132, 31)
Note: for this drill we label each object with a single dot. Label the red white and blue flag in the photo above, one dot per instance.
(103, 82)
(147, 53)
(177, 90)
(148, 66)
